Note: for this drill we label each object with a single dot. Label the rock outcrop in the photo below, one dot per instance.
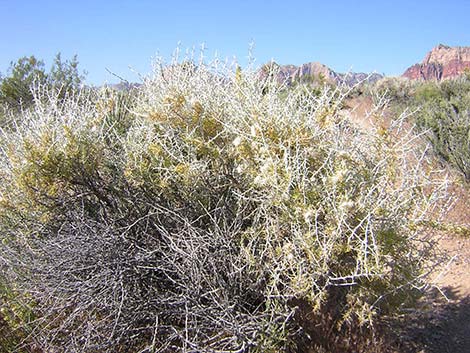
(440, 63)
(316, 73)
(353, 78)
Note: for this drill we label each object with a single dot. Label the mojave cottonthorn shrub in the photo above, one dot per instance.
(210, 210)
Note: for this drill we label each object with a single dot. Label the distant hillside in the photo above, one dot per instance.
(319, 73)
(123, 85)
(440, 63)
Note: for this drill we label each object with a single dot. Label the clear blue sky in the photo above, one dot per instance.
(385, 36)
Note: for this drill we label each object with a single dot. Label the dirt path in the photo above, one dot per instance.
(444, 323)
(456, 277)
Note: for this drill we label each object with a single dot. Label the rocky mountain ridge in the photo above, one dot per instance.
(316, 73)
(441, 62)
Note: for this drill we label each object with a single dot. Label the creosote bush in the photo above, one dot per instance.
(207, 212)
(444, 110)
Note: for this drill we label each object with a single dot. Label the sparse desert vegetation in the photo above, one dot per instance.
(212, 209)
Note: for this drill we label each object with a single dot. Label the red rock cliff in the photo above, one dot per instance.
(441, 62)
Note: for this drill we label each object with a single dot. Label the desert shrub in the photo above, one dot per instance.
(208, 212)
(444, 110)
(15, 318)
(398, 90)
(16, 86)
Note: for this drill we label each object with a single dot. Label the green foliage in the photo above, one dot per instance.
(206, 212)
(397, 89)
(16, 88)
(16, 314)
(65, 75)
(428, 92)
(444, 110)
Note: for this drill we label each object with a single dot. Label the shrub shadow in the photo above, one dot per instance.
(440, 326)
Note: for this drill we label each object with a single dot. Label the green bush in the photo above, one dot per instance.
(444, 110)
(397, 89)
(15, 89)
(27, 73)
(209, 211)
